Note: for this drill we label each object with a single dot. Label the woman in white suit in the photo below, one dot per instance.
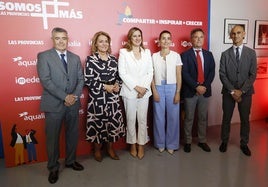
(136, 71)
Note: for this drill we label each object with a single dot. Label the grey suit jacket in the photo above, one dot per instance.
(240, 75)
(56, 82)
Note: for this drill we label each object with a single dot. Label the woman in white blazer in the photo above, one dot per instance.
(136, 71)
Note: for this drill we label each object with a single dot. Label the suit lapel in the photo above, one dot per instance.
(205, 61)
(243, 57)
(232, 56)
(194, 59)
(58, 61)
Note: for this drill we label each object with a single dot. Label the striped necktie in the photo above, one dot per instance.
(64, 62)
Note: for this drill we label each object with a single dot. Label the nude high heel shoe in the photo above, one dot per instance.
(140, 151)
(133, 150)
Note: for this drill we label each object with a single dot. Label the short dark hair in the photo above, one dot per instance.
(58, 29)
(164, 32)
(196, 30)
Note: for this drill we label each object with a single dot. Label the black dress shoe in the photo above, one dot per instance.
(223, 147)
(75, 166)
(187, 148)
(204, 146)
(245, 150)
(53, 176)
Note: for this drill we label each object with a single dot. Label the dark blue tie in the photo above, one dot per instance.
(64, 62)
(237, 54)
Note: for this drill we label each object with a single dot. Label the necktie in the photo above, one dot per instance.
(200, 72)
(63, 61)
(237, 54)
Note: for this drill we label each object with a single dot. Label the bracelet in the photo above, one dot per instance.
(178, 91)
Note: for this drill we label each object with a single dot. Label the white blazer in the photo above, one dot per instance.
(135, 72)
(173, 59)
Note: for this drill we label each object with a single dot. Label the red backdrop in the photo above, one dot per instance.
(26, 30)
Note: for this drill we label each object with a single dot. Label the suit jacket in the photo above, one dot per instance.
(189, 72)
(135, 73)
(57, 83)
(240, 75)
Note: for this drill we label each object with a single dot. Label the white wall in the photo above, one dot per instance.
(235, 9)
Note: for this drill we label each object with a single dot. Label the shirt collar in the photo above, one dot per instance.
(65, 52)
(239, 47)
(200, 49)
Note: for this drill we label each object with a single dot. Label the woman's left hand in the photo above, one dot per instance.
(177, 98)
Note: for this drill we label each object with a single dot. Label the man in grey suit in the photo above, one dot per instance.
(238, 66)
(61, 76)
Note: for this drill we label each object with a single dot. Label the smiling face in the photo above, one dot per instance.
(136, 38)
(198, 39)
(237, 34)
(165, 40)
(102, 44)
(60, 41)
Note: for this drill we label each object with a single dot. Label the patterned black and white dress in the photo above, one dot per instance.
(104, 113)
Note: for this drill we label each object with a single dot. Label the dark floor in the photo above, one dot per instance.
(198, 168)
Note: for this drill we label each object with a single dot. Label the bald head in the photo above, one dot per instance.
(237, 34)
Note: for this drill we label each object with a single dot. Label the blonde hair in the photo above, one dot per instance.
(94, 48)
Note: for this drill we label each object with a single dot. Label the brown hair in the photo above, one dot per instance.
(128, 45)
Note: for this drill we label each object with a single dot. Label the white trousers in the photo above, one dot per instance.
(136, 109)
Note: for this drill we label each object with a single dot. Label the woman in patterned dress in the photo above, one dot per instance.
(104, 114)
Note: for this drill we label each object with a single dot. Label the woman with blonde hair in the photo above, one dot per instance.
(104, 114)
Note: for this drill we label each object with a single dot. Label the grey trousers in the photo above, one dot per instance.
(54, 122)
(200, 103)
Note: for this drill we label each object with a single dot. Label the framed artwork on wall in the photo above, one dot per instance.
(262, 67)
(229, 24)
(261, 35)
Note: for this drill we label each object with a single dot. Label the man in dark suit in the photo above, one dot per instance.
(238, 66)
(198, 72)
(61, 76)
